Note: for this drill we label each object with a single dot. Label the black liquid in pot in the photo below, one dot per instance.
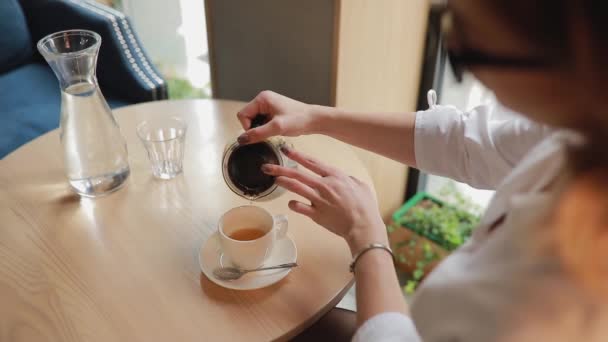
(244, 168)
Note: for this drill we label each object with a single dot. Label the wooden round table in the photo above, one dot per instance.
(124, 267)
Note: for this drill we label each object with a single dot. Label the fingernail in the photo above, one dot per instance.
(285, 149)
(266, 168)
(243, 139)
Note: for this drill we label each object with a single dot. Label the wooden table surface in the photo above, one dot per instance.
(124, 267)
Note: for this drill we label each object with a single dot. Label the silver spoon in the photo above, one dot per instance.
(233, 273)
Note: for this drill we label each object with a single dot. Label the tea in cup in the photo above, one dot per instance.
(248, 234)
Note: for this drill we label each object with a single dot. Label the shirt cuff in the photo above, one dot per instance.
(389, 327)
(431, 134)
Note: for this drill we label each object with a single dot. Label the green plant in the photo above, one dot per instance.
(117, 4)
(183, 89)
(447, 225)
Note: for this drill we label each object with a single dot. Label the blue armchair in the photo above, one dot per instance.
(30, 98)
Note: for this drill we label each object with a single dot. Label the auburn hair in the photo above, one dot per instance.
(576, 32)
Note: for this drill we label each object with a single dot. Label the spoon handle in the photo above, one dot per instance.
(289, 265)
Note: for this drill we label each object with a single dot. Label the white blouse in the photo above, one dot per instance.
(499, 286)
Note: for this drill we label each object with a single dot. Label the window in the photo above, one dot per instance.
(175, 37)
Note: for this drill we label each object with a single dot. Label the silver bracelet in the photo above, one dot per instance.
(366, 249)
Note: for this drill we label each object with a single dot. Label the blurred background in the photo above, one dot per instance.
(175, 36)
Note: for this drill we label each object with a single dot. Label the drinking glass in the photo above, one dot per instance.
(164, 140)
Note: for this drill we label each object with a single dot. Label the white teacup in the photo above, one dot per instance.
(248, 233)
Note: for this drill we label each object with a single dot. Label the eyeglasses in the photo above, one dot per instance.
(463, 59)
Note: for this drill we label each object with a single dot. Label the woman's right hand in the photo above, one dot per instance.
(287, 117)
(343, 204)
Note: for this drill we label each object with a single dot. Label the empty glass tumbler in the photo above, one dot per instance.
(164, 140)
(95, 152)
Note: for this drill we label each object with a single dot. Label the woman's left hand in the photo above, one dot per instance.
(343, 204)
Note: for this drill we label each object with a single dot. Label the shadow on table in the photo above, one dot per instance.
(53, 191)
(220, 294)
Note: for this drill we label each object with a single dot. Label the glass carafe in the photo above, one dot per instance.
(95, 152)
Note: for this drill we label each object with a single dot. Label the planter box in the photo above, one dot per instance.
(401, 237)
(413, 202)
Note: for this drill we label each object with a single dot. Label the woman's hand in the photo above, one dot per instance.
(288, 117)
(347, 207)
(343, 204)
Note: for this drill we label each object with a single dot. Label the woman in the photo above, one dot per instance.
(536, 265)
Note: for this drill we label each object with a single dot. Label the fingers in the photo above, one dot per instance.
(302, 208)
(260, 133)
(278, 171)
(247, 113)
(256, 106)
(298, 188)
(310, 163)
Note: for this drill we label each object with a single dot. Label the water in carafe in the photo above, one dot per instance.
(94, 151)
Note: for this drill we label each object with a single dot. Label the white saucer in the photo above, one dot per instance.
(210, 257)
